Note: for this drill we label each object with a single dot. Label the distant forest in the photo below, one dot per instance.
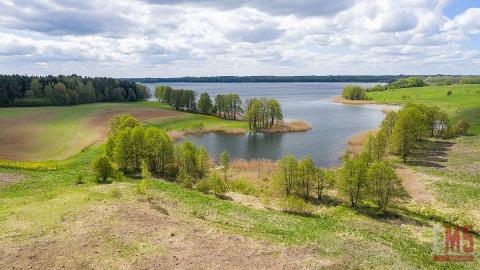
(248, 79)
(22, 90)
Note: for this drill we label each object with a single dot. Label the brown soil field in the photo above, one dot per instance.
(147, 235)
(53, 133)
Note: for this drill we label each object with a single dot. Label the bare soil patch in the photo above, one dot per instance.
(10, 178)
(136, 235)
(16, 134)
(415, 185)
(101, 121)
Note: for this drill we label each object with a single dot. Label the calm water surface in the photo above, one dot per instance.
(332, 124)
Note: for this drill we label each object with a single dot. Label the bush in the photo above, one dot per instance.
(217, 184)
(295, 205)
(103, 168)
(203, 185)
(242, 186)
(461, 127)
(354, 92)
(144, 185)
(449, 92)
(79, 180)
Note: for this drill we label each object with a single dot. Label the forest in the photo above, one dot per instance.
(22, 90)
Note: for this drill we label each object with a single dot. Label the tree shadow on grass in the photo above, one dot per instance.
(431, 153)
(389, 216)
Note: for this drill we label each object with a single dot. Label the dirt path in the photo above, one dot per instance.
(142, 235)
(414, 184)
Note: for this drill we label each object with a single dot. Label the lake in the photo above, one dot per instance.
(332, 124)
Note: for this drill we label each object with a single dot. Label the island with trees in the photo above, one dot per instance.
(262, 114)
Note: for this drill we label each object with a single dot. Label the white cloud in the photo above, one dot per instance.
(239, 37)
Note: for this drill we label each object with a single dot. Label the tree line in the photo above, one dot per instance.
(22, 90)
(261, 113)
(249, 79)
(368, 177)
(139, 151)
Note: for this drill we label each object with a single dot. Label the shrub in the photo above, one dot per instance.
(203, 185)
(449, 92)
(217, 184)
(79, 180)
(354, 92)
(144, 185)
(295, 205)
(461, 127)
(242, 186)
(103, 168)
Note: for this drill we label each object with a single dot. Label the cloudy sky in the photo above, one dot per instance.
(167, 38)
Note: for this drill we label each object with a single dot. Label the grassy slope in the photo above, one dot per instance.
(63, 131)
(454, 180)
(463, 102)
(50, 202)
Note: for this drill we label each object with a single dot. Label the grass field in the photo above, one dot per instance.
(52, 133)
(463, 102)
(50, 221)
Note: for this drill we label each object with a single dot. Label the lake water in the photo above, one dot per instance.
(332, 124)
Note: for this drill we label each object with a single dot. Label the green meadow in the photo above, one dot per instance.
(463, 101)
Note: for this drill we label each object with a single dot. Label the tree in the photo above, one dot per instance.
(383, 183)
(376, 145)
(145, 171)
(387, 128)
(288, 167)
(205, 104)
(202, 162)
(275, 111)
(225, 162)
(308, 176)
(323, 181)
(407, 129)
(159, 155)
(353, 180)
(218, 185)
(187, 160)
(103, 168)
(36, 88)
(353, 92)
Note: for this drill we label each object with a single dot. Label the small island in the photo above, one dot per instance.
(262, 115)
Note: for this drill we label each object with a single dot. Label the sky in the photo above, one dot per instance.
(167, 38)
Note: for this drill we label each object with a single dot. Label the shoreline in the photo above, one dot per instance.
(284, 127)
(342, 100)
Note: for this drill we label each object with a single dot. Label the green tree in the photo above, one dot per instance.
(323, 181)
(202, 162)
(36, 88)
(103, 168)
(187, 160)
(205, 103)
(288, 168)
(383, 183)
(145, 171)
(218, 186)
(308, 176)
(225, 162)
(353, 180)
(407, 129)
(159, 151)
